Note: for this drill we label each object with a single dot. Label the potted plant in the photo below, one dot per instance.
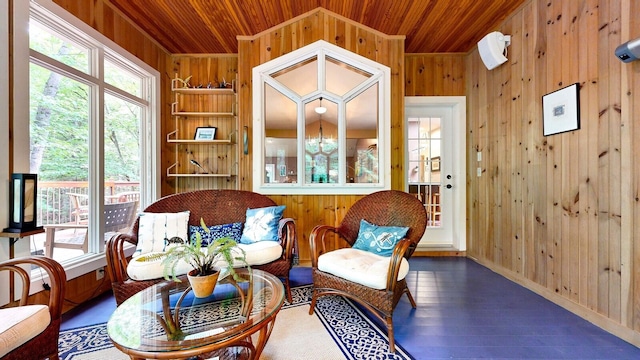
(205, 261)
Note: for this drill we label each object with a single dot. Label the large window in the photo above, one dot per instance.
(321, 117)
(91, 124)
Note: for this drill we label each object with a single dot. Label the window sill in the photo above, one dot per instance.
(75, 267)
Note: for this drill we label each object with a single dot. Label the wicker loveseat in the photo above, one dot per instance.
(215, 207)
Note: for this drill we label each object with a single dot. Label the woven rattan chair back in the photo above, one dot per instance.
(386, 208)
(215, 207)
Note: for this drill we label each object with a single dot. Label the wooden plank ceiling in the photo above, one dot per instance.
(211, 26)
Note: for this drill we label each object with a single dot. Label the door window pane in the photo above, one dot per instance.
(424, 146)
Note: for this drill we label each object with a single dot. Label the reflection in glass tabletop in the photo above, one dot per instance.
(167, 320)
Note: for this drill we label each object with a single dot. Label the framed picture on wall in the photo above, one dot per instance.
(205, 133)
(435, 163)
(561, 110)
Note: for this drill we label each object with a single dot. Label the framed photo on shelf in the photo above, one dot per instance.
(561, 110)
(205, 133)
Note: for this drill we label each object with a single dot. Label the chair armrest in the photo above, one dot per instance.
(116, 259)
(317, 243)
(394, 264)
(288, 238)
(57, 278)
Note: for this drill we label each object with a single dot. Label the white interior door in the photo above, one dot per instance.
(436, 167)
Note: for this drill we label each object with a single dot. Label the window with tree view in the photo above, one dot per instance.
(88, 108)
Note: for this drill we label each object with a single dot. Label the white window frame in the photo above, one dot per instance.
(320, 50)
(150, 173)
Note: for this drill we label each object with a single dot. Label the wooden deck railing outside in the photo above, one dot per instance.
(54, 205)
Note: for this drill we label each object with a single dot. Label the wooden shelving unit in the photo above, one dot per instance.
(204, 159)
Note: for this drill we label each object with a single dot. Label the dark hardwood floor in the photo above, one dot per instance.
(465, 311)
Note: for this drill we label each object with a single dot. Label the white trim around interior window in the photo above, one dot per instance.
(320, 50)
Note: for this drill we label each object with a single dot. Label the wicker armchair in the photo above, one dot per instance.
(214, 207)
(384, 208)
(15, 341)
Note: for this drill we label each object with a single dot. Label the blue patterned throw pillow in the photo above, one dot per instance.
(233, 231)
(379, 239)
(262, 224)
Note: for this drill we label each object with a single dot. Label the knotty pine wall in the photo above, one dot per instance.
(561, 214)
(320, 24)
(425, 74)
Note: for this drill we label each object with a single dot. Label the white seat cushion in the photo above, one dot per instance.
(261, 252)
(21, 324)
(149, 266)
(359, 266)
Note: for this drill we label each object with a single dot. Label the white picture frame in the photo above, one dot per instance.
(561, 110)
(205, 133)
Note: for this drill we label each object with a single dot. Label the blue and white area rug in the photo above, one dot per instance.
(338, 330)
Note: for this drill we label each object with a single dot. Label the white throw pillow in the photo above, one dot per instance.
(154, 228)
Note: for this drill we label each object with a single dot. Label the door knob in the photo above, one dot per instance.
(448, 186)
(449, 177)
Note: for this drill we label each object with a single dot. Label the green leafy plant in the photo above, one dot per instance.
(204, 259)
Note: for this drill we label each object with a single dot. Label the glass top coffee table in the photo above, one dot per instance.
(166, 321)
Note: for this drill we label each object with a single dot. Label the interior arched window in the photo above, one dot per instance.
(320, 123)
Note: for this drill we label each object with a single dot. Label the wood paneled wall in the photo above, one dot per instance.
(421, 74)
(316, 25)
(435, 74)
(101, 16)
(560, 214)
(426, 74)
